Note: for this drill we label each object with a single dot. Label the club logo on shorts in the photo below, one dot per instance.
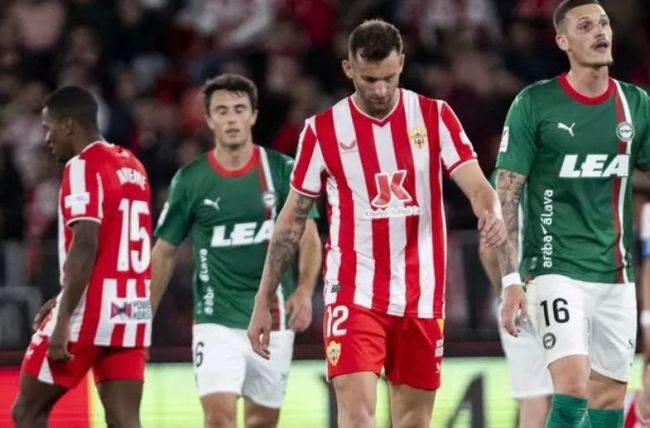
(333, 352)
(269, 199)
(548, 340)
(625, 131)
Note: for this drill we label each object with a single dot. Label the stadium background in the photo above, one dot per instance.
(145, 61)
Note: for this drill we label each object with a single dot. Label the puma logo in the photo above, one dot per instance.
(211, 203)
(566, 128)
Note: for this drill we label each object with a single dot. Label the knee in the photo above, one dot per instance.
(22, 417)
(413, 420)
(18, 413)
(607, 398)
(355, 417)
(575, 386)
(218, 419)
(120, 420)
(258, 421)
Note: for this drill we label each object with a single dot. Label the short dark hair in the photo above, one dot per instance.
(561, 10)
(231, 83)
(73, 102)
(374, 40)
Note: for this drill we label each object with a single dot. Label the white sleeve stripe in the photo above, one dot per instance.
(78, 184)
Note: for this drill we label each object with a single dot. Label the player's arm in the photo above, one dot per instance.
(287, 233)
(485, 204)
(509, 187)
(299, 304)
(490, 263)
(77, 270)
(163, 261)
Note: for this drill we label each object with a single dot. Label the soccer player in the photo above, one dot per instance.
(380, 155)
(645, 278)
(227, 201)
(102, 317)
(530, 381)
(637, 403)
(573, 140)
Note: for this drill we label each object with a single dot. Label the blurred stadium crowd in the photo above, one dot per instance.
(145, 61)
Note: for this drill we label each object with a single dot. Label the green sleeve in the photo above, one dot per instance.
(518, 141)
(643, 157)
(286, 169)
(174, 220)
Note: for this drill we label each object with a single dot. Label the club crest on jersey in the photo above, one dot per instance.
(391, 197)
(333, 352)
(418, 136)
(625, 131)
(269, 199)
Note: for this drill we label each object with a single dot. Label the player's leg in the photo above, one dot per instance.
(266, 381)
(612, 351)
(34, 402)
(220, 369)
(356, 399)
(414, 376)
(119, 374)
(533, 411)
(355, 346)
(121, 401)
(43, 382)
(558, 308)
(530, 380)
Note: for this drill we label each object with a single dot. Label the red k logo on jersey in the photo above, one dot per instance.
(391, 197)
(390, 185)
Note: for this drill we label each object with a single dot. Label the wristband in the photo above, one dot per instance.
(645, 318)
(513, 279)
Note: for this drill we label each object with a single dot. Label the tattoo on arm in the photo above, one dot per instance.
(509, 188)
(284, 243)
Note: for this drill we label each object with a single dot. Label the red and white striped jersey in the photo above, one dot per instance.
(383, 178)
(107, 184)
(632, 417)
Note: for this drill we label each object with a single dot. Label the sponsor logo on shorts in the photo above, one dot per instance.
(333, 352)
(439, 348)
(548, 340)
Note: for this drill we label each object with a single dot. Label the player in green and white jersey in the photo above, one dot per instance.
(227, 200)
(574, 141)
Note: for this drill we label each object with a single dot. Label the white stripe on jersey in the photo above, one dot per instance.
(447, 149)
(61, 241)
(269, 178)
(104, 327)
(423, 195)
(78, 197)
(353, 170)
(130, 329)
(147, 329)
(384, 147)
(333, 256)
(622, 191)
(100, 187)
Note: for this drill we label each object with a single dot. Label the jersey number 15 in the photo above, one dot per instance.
(133, 232)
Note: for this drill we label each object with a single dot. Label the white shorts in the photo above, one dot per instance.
(225, 362)
(574, 317)
(529, 376)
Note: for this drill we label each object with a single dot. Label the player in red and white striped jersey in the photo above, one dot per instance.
(637, 403)
(380, 155)
(102, 317)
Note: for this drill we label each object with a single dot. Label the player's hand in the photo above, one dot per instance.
(43, 313)
(259, 328)
(514, 303)
(58, 349)
(299, 309)
(492, 229)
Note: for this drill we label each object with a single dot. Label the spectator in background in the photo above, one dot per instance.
(12, 221)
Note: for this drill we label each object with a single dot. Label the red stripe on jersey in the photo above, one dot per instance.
(308, 145)
(380, 227)
(139, 334)
(117, 337)
(263, 185)
(404, 157)
(630, 417)
(451, 122)
(616, 194)
(347, 275)
(430, 114)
